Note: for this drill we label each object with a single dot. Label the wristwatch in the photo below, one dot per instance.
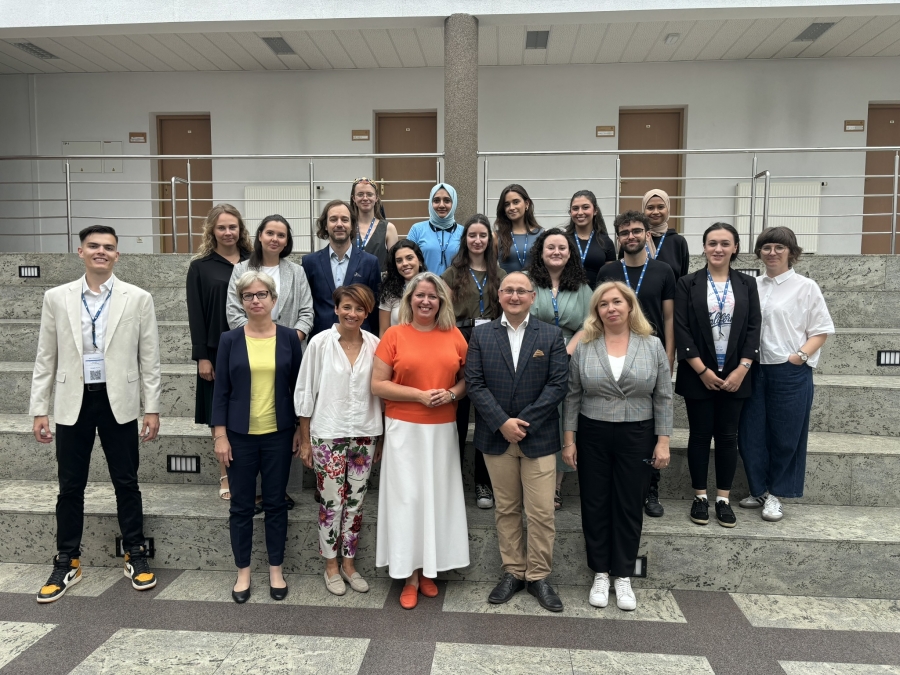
(803, 355)
(453, 396)
(747, 365)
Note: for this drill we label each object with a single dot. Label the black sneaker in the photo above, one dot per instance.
(484, 498)
(700, 511)
(138, 570)
(652, 507)
(66, 572)
(725, 515)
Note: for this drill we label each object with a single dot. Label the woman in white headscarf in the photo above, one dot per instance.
(439, 236)
(667, 245)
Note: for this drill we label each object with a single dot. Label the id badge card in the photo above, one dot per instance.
(720, 356)
(479, 322)
(94, 369)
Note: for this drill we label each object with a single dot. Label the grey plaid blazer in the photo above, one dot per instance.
(642, 392)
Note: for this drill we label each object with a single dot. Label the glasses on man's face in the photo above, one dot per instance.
(248, 297)
(521, 292)
(768, 249)
(637, 232)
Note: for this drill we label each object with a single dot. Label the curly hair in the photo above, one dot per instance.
(573, 276)
(503, 224)
(393, 284)
(460, 285)
(208, 245)
(322, 220)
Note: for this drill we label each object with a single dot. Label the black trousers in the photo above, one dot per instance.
(482, 477)
(268, 455)
(614, 480)
(709, 418)
(74, 444)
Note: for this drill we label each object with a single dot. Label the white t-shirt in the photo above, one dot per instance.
(275, 273)
(392, 306)
(616, 364)
(720, 320)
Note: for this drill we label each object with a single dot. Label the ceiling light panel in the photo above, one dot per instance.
(537, 39)
(813, 32)
(34, 50)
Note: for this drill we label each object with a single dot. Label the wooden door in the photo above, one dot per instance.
(184, 135)
(651, 130)
(884, 129)
(405, 133)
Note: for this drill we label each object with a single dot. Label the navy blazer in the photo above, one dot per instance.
(231, 395)
(693, 335)
(362, 269)
(531, 392)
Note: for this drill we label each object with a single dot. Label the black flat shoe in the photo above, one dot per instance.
(240, 597)
(545, 595)
(278, 593)
(504, 591)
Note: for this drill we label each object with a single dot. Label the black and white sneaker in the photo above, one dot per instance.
(484, 498)
(138, 570)
(724, 514)
(700, 511)
(751, 502)
(66, 573)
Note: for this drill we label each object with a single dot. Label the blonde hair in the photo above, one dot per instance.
(446, 318)
(249, 277)
(208, 244)
(637, 322)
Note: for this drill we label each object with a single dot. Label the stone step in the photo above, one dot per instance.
(842, 469)
(24, 302)
(807, 553)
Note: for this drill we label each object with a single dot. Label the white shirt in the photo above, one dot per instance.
(720, 320)
(616, 365)
(516, 335)
(337, 397)
(793, 310)
(392, 306)
(94, 302)
(275, 273)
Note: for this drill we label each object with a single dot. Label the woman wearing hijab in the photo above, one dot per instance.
(439, 236)
(666, 244)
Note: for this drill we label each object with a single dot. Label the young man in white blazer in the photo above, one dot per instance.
(99, 344)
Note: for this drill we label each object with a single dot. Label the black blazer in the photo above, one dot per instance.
(532, 391)
(231, 395)
(693, 335)
(362, 269)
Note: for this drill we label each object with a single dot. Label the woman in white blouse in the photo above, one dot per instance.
(774, 424)
(341, 428)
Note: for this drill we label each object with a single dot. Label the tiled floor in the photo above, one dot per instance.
(188, 625)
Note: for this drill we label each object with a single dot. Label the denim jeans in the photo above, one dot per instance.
(774, 429)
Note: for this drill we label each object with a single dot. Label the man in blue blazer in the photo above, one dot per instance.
(341, 263)
(517, 375)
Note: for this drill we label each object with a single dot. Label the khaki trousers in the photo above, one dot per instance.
(520, 481)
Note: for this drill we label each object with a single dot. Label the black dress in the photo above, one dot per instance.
(207, 292)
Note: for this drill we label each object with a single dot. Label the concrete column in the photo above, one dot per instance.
(461, 111)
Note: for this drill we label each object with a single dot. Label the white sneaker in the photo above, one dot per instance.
(624, 595)
(752, 502)
(599, 596)
(772, 510)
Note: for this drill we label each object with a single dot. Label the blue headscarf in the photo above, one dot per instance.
(442, 223)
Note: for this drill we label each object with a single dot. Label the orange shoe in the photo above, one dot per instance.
(409, 598)
(427, 587)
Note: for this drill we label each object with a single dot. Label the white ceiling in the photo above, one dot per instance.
(499, 45)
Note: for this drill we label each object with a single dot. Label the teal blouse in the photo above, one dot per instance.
(573, 308)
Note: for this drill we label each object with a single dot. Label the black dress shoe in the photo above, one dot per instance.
(506, 589)
(278, 593)
(545, 595)
(652, 507)
(240, 597)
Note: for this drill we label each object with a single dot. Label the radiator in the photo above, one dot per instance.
(793, 205)
(290, 201)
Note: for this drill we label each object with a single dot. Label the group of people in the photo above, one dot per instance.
(562, 342)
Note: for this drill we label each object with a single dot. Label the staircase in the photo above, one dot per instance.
(844, 533)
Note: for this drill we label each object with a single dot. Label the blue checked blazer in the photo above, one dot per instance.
(531, 392)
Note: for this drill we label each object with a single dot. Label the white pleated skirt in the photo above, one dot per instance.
(421, 506)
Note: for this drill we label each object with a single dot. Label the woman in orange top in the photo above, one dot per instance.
(418, 373)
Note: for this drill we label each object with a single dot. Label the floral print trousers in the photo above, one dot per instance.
(342, 467)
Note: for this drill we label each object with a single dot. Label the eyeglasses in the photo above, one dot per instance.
(248, 297)
(773, 248)
(637, 232)
(521, 292)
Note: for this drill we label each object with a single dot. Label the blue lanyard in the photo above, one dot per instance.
(441, 243)
(480, 290)
(658, 248)
(555, 308)
(720, 301)
(362, 242)
(584, 251)
(640, 278)
(96, 316)
(524, 257)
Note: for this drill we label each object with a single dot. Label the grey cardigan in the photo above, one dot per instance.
(642, 392)
(294, 306)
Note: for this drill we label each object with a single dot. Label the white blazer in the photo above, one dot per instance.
(131, 349)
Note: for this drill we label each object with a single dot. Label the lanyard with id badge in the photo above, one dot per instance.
(95, 362)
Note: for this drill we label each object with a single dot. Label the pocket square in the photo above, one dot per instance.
(356, 274)
(537, 354)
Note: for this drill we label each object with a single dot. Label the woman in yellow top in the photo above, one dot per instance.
(255, 427)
